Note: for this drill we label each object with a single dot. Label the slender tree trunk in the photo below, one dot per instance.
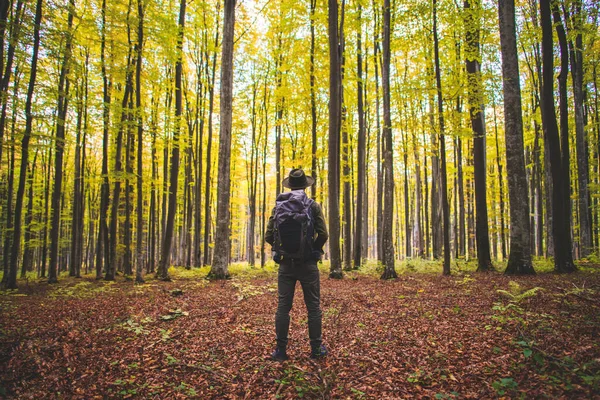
(476, 107)
(111, 266)
(313, 100)
(581, 139)
(28, 251)
(10, 274)
(46, 212)
(207, 191)
(334, 139)
(200, 117)
(417, 227)
(140, 146)
(361, 167)
(63, 100)
(563, 259)
(388, 170)
(519, 261)
(14, 39)
(442, 146)
(219, 268)
(152, 223)
(77, 212)
(165, 256)
(102, 248)
(264, 171)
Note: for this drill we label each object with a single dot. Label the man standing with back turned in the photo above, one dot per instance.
(297, 233)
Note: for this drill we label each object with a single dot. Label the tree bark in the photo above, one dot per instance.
(519, 261)
(63, 101)
(139, 278)
(442, 147)
(207, 183)
(102, 248)
(476, 107)
(563, 259)
(165, 256)
(581, 140)
(219, 268)
(334, 140)
(313, 100)
(361, 167)
(388, 170)
(11, 277)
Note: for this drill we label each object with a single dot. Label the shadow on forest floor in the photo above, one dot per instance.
(423, 335)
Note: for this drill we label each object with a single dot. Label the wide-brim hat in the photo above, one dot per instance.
(297, 179)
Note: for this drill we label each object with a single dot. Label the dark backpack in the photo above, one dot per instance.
(293, 225)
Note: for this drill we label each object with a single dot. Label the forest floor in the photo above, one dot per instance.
(423, 335)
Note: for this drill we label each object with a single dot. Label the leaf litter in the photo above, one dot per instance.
(421, 336)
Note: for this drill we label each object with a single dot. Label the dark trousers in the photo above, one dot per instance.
(307, 273)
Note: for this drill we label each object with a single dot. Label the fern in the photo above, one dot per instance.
(515, 293)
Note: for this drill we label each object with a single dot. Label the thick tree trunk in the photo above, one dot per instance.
(519, 261)
(219, 268)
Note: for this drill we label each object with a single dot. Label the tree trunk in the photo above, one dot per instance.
(563, 259)
(63, 100)
(476, 107)
(334, 139)
(519, 261)
(15, 29)
(77, 211)
(442, 146)
(361, 167)
(581, 141)
(165, 256)
(219, 268)
(28, 251)
(140, 146)
(10, 278)
(379, 205)
(388, 170)
(102, 248)
(313, 100)
(211, 92)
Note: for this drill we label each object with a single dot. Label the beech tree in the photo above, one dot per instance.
(219, 268)
(519, 259)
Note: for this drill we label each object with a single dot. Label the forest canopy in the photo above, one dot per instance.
(439, 130)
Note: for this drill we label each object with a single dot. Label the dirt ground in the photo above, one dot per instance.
(421, 336)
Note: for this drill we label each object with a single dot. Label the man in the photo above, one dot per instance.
(297, 233)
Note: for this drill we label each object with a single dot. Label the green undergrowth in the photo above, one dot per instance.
(80, 287)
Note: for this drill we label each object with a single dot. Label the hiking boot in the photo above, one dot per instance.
(320, 352)
(279, 355)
